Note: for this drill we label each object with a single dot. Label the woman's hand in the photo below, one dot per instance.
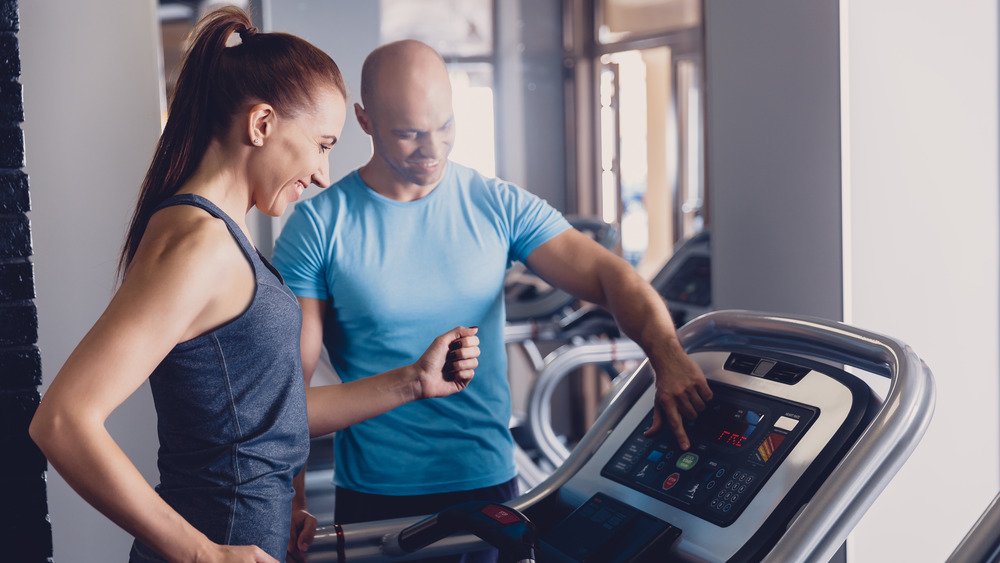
(449, 363)
(301, 535)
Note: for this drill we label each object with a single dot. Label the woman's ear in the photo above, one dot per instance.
(260, 124)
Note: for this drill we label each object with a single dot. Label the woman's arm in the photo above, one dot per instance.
(446, 367)
(167, 295)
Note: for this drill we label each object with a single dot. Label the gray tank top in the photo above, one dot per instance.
(231, 415)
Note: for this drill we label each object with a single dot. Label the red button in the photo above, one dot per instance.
(670, 481)
(501, 514)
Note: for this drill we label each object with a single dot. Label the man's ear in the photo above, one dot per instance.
(260, 123)
(363, 120)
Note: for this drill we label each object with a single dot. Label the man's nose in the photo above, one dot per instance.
(434, 146)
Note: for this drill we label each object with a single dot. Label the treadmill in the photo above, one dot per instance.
(982, 543)
(784, 462)
(685, 281)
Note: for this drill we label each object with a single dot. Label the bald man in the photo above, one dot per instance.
(410, 245)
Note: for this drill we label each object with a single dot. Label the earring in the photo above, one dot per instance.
(258, 141)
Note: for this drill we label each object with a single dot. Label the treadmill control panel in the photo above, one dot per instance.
(736, 444)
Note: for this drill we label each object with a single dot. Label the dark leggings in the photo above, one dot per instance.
(352, 506)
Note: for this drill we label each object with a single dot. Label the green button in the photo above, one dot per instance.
(687, 461)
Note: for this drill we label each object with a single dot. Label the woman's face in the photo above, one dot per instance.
(296, 154)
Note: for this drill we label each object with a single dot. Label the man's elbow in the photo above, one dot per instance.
(616, 277)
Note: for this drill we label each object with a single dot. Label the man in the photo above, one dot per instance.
(411, 243)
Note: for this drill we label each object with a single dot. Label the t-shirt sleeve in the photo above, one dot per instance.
(531, 220)
(300, 253)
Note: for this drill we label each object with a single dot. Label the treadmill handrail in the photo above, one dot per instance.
(558, 365)
(514, 333)
(823, 524)
(982, 543)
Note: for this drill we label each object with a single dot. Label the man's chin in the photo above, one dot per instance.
(425, 180)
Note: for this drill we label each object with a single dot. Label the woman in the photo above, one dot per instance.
(211, 324)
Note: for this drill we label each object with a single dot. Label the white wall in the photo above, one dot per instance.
(923, 254)
(92, 106)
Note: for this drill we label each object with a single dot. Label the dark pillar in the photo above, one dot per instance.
(25, 531)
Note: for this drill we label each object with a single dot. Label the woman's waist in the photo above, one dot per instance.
(243, 464)
(225, 483)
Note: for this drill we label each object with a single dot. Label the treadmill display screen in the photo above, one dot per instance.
(736, 444)
(728, 424)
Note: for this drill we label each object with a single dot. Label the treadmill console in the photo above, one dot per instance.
(736, 444)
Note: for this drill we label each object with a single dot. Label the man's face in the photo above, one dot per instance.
(413, 130)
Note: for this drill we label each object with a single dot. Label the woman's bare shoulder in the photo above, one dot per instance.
(185, 242)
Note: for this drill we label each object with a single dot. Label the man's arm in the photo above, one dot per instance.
(313, 313)
(574, 263)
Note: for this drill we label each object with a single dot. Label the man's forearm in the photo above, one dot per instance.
(640, 312)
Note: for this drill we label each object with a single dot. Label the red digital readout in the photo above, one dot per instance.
(729, 438)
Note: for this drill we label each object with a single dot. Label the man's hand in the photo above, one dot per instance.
(448, 365)
(301, 534)
(681, 393)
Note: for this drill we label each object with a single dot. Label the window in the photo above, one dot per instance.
(649, 121)
(621, 20)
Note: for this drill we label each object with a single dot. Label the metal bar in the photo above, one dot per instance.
(530, 330)
(527, 470)
(560, 364)
(982, 543)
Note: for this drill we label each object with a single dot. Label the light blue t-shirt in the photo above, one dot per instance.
(396, 275)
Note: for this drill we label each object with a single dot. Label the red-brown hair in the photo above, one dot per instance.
(216, 82)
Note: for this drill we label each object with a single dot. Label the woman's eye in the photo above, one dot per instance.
(325, 148)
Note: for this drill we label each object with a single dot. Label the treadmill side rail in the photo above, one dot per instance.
(982, 543)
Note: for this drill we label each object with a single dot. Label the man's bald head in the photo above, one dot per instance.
(397, 67)
(407, 110)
